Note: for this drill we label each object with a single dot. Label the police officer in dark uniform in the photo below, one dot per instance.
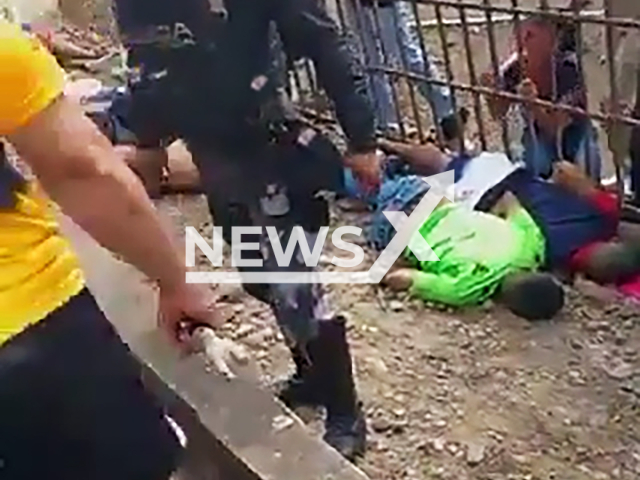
(205, 75)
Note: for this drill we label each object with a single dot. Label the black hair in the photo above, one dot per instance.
(566, 30)
(531, 295)
(613, 263)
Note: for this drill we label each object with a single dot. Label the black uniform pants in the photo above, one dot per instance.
(72, 405)
(236, 186)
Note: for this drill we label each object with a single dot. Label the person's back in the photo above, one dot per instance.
(220, 82)
(472, 265)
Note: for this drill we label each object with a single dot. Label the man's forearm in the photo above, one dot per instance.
(80, 170)
(114, 209)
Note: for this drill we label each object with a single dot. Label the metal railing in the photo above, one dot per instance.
(471, 36)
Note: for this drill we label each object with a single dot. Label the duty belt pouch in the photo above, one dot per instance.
(317, 163)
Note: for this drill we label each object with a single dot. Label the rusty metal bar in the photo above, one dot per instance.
(495, 65)
(616, 22)
(405, 66)
(447, 64)
(617, 161)
(357, 15)
(513, 97)
(425, 62)
(477, 106)
(576, 31)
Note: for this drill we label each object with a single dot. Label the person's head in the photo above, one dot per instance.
(612, 263)
(538, 36)
(532, 296)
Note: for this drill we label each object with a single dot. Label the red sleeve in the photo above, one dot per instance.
(606, 203)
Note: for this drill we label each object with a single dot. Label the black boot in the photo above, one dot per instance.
(302, 388)
(346, 428)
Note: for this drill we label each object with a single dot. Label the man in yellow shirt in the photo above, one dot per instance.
(71, 402)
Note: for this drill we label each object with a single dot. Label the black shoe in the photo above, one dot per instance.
(345, 424)
(347, 433)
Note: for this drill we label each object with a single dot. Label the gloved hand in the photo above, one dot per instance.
(366, 168)
(219, 352)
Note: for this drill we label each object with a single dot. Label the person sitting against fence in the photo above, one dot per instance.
(547, 68)
(578, 218)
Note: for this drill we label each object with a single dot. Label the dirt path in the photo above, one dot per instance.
(476, 395)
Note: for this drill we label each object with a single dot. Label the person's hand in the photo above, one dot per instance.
(366, 168)
(571, 177)
(528, 89)
(488, 80)
(185, 306)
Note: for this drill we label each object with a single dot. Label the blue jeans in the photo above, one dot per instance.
(401, 42)
(579, 145)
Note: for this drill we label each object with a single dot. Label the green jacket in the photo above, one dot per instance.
(476, 251)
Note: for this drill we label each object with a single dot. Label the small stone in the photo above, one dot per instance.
(396, 305)
(475, 454)
(282, 422)
(620, 371)
(399, 412)
(440, 423)
(438, 444)
(575, 344)
(243, 330)
(381, 425)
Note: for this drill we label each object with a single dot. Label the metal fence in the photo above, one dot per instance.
(464, 39)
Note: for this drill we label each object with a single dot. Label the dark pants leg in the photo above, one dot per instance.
(315, 334)
(298, 307)
(72, 406)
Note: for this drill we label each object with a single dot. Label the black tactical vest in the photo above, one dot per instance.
(213, 69)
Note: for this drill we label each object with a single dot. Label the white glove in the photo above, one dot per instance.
(218, 351)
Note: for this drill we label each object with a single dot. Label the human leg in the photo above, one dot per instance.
(381, 91)
(72, 405)
(319, 347)
(422, 63)
(318, 341)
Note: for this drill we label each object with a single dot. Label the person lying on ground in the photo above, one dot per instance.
(547, 68)
(578, 219)
(470, 269)
(70, 390)
(59, 44)
(162, 170)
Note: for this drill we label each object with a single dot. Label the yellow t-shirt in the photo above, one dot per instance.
(38, 269)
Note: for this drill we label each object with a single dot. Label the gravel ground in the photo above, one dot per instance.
(476, 394)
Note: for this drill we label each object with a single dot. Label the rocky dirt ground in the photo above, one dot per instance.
(476, 394)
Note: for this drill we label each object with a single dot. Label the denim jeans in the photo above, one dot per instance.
(540, 153)
(400, 42)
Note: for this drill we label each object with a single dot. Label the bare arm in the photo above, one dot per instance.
(80, 170)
